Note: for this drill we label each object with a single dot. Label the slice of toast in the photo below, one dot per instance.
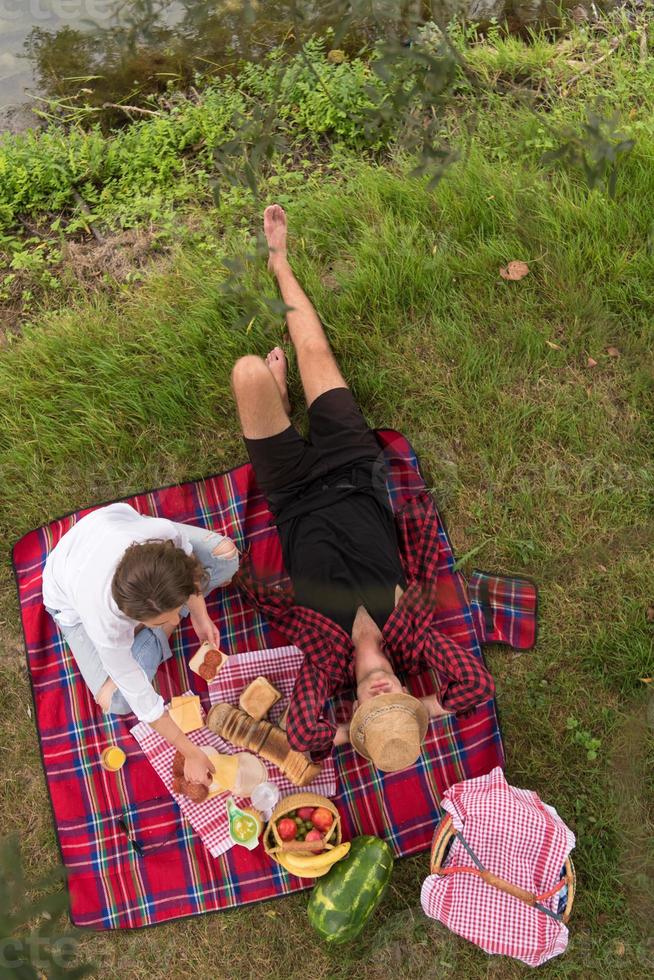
(207, 661)
(258, 698)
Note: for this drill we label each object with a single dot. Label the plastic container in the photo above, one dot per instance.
(245, 826)
(265, 797)
(112, 758)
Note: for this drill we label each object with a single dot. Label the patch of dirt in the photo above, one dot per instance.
(114, 259)
(90, 264)
(336, 273)
(10, 317)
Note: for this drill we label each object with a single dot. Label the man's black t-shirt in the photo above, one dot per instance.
(340, 547)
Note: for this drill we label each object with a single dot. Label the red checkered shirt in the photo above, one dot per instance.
(413, 643)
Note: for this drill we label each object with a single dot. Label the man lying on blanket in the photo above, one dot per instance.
(363, 592)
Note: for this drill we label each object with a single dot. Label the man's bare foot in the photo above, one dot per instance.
(275, 228)
(105, 694)
(276, 361)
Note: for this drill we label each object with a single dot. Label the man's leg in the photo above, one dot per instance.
(260, 392)
(316, 362)
(281, 458)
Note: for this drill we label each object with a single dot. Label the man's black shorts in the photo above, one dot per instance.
(286, 464)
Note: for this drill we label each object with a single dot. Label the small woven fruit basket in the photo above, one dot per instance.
(273, 843)
(442, 842)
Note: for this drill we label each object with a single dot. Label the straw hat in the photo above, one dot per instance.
(389, 730)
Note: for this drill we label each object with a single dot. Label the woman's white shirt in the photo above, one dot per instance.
(77, 586)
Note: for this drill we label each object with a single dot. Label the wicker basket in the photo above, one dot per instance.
(445, 834)
(273, 843)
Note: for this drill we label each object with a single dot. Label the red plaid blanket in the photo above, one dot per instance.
(131, 857)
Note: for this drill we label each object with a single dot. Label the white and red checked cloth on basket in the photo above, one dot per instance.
(280, 666)
(518, 837)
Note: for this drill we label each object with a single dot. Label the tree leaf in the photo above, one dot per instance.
(514, 271)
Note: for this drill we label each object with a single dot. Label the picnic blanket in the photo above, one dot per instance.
(131, 857)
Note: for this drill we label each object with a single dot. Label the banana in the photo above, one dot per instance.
(299, 872)
(313, 865)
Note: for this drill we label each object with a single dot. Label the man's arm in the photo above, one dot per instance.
(342, 736)
(306, 729)
(463, 679)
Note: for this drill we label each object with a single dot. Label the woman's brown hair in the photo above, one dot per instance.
(154, 577)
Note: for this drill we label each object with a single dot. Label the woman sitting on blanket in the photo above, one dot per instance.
(117, 585)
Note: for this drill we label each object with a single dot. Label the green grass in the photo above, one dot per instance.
(543, 460)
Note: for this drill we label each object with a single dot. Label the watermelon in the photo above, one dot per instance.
(344, 899)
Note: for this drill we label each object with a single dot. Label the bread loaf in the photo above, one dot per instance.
(267, 740)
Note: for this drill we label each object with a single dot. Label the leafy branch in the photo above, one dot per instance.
(30, 946)
(596, 150)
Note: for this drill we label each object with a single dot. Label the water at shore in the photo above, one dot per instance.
(93, 52)
(125, 50)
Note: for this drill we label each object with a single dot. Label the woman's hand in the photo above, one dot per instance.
(197, 764)
(198, 767)
(204, 626)
(206, 629)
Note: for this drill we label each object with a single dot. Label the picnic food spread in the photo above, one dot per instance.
(258, 698)
(343, 901)
(218, 885)
(264, 738)
(207, 662)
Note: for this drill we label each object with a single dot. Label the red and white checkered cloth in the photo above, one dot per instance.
(209, 819)
(518, 837)
(280, 666)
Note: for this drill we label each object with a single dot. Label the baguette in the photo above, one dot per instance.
(267, 740)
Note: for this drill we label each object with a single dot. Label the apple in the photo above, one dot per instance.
(287, 828)
(314, 835)
(306, 812)
(322, 818)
